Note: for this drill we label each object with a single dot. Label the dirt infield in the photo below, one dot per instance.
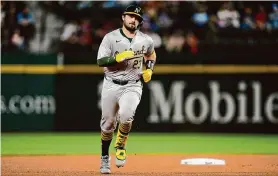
(143, 165)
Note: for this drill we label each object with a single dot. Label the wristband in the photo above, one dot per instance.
(150, 64)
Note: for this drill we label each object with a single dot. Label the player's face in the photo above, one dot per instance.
(131, 22)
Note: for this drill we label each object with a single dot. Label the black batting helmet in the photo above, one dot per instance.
(134, 10)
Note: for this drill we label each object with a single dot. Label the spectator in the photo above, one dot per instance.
(153, 25)
(17, 40)
(124, 3)
(160, 18)
(151, 15)
(200, 18)
(109, 4)
(76, 40)
(151, 9)
(192, 42)
(26, 25)
(248, 20)
(175, 42)
(228, 17)
(164, 21)
(106, 27)
(83, 5)
(85, 38)
(147, 21)
(172, 6)
(274, 17)
(224, 16)
(261, 18)
(25, 18)
(70, 41)
(69, 34)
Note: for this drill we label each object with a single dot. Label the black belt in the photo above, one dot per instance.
(122, 82)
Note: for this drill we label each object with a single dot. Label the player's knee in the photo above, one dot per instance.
(107, 126)
(126, 115)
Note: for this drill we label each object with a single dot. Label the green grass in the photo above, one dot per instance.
(151, 143)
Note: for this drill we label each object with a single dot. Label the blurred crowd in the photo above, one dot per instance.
(174, 25)
(17, 25)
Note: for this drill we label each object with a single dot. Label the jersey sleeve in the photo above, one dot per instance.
(150, 48)
(105, 48)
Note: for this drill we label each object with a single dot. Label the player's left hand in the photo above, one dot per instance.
(147, 75)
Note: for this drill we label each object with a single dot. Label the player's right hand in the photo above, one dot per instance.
(124, 55)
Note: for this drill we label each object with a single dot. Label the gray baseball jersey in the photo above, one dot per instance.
(116, 42)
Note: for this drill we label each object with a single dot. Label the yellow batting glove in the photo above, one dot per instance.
(124, 55)
(147, 75)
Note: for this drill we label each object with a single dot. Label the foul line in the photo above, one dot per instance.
(159, 69)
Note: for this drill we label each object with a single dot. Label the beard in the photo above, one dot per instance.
(129, 28)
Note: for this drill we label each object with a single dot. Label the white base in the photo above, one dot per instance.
(203, 161)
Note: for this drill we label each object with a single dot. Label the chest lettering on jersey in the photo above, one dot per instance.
(139, 52)
(136, 53)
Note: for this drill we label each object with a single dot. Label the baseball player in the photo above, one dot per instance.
(122, 53)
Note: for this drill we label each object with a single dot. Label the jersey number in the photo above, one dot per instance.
(137, 64)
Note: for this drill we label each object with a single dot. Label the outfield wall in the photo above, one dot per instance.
(203, 98)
